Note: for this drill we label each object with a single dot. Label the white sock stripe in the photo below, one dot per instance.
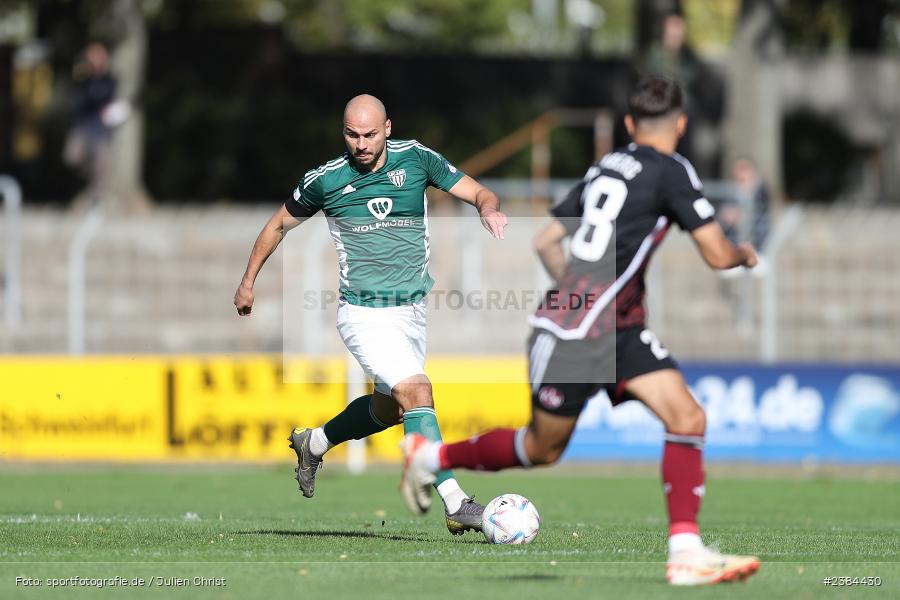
(417, 412)
(688, 440)
(519, 446)
(374, 417)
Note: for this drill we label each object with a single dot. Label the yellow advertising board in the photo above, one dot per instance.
(239, 408)
(63, 409)
(233, 408)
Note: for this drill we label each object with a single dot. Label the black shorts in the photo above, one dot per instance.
(569, 372)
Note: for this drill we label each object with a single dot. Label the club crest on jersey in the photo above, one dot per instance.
(380, 207)
(397, 177)
(551, 398)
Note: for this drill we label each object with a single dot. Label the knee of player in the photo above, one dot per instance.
(546, 454)
(550, 457)
(689, 420)
(414, 395)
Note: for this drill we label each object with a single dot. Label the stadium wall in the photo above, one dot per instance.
(228, 408)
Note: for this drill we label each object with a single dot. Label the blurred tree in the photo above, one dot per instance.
(815, 25)
(385, 25)
(710, 25)
(754, 110)
(442, 25)
(854, 25)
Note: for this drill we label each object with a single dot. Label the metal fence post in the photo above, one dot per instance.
(313, 279)
(12, 208)
(769, 339)
(77, 279)
(471, 259)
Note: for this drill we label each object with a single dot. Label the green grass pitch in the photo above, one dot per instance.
(603, 535)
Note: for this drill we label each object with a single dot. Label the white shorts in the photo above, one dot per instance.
(387, 342)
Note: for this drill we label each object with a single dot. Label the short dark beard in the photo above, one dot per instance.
(371, 165)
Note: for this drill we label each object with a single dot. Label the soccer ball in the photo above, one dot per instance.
(510, 519)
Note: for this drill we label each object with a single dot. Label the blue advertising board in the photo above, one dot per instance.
(783, 413)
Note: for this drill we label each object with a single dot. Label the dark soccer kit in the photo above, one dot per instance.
(589, 332)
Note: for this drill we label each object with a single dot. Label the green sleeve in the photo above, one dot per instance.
(441, 174)
(308, 197)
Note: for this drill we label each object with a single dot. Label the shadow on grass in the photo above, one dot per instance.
(336, 533)
(624, 578)
(532, 577)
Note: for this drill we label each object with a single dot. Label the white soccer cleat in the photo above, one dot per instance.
(703, 566)
(415, 485)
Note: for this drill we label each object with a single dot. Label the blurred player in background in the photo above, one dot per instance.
(374, 199)
(616, 217)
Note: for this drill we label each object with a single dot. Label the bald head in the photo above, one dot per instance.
(366, 129)
(365, 106)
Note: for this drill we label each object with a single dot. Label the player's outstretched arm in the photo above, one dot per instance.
(718, 252)
(470, 191)
(548, 245)
(269, 238)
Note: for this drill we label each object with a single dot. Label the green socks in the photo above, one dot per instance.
(357, 421)
(423, 421)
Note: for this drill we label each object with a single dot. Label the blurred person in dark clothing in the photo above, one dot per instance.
(671, 57)
(744, 216)
(96, 113)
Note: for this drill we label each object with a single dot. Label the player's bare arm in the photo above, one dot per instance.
(471, 192)
(269, 238)
(718, 252)
(548, 245)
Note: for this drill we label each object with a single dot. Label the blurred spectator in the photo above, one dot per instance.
(671, 57)
(89, 142)
(744, 216)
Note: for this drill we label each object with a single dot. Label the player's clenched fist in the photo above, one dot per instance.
(243, 300)
(749, 252)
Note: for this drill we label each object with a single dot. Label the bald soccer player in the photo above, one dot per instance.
(373, 197)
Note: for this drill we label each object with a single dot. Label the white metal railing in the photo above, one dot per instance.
(78, 280)
(790, 221)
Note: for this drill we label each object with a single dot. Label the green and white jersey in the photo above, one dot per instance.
(378, 220)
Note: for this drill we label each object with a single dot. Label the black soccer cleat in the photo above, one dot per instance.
(307, 462)
(467, 518)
